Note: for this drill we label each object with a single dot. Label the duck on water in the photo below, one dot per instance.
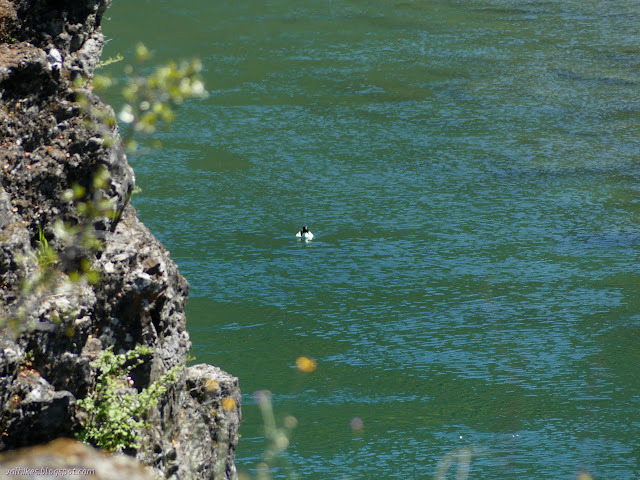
(305, 233)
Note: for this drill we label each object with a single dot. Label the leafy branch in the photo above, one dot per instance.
(151, 99)
(114, 414)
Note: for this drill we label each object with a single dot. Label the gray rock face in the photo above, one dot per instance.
(219, 393)
(50, 142)
(38, 409)
(70, 26)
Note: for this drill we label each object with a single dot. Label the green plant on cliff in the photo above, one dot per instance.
(114, 414)
(110, 60)
(46, 256)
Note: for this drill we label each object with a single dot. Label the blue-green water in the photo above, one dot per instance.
(470, 170)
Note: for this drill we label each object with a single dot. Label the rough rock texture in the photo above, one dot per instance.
(65, 458)
(55, 135)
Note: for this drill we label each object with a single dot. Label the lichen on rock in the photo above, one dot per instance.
(52, 333)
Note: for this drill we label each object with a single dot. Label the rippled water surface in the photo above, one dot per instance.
(470, 172)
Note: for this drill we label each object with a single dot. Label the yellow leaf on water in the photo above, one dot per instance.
(305, 364)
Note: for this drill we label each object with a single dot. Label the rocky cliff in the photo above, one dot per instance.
(56, 137)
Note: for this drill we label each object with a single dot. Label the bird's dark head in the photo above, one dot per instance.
(305, 229)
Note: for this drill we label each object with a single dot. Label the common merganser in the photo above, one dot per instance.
(305, 233)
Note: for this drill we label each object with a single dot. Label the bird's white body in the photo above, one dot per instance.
(304, 233)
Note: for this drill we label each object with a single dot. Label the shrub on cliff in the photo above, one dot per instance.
(113, 415)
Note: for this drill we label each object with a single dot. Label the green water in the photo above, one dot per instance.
(470, 171)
